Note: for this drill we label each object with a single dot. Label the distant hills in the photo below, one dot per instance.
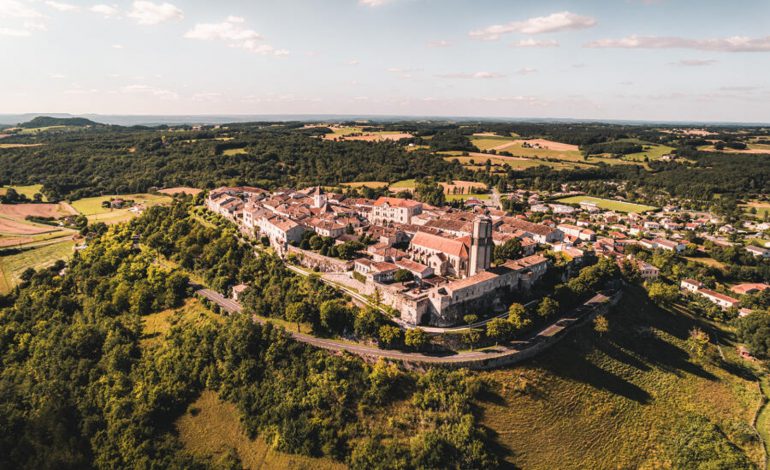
(48, 121)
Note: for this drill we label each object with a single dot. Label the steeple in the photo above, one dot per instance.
(481, 245)
(319, 198)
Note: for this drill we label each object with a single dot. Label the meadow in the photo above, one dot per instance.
(92, 208)
(608, 204)
(13, 264)
(761, 209)
(615, 401)
(28, 191)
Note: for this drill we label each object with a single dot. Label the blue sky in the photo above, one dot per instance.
(598, 59)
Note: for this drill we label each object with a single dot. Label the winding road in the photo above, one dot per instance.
(475, 359)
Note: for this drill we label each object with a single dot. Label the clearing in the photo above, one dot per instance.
(358, 133)
(366, 184)
(613, 401)
(29, 190)
(92, 208)
(20, 211)
(15, 262)
(609, 204)
(212, 428)
(235, 151)
(180, 190)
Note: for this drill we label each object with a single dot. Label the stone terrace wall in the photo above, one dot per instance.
(312, 260)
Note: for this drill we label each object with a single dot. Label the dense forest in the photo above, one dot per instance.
(109, 160)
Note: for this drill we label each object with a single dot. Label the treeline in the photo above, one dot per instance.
(612, 147)
(129, 160)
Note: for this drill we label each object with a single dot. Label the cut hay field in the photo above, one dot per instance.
(358, 133)
(20, 211)
(28, 191)
(13, 264)
(616, 401)
(180, 190)
(653, 151)
(608, 204)
(211, 428)
(760, 149)
(762, 208)
(92, 207)
(367, 184)
(235, 151)
(532, 148)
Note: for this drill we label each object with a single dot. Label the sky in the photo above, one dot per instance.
(672, 60)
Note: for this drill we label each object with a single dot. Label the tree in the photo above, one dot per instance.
(430, 192)
(471, 337)
(296, 312)
(511, 249)
(697, 341)
(390, 336)
(754, 331)
(403, 275)
(547, 307)
(601, 325)
(367, 323)
(663, 294)
(517, 317)
(416, 338)
(499, 329)
(470, 319)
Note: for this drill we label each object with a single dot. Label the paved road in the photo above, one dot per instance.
(511, 349)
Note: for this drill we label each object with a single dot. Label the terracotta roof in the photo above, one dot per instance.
(396, 202)
(749, 287)
(450, 246)
(719, 296)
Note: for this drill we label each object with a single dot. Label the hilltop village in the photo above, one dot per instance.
(433, 264)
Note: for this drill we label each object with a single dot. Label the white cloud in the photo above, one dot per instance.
(439, 43)
(555, 22)
(15, 9)
(694, 62)
(208, 97)
(235, 34)
(150, 13)
(731, 44)
(402, 73)
(160, 93)
(108, 11)
(117, 46)
(530, 42)
(60, 6)
(526, 71)
(352, 62)
(476, 75)
(18, 33)
(57, 76)
(373, 3)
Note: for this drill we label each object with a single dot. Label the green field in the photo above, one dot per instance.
(654, 152)
(236, 151)
(463, 197)
(608, 204)
(211, 428)
(92, 208)
(368, 184)
(408, 185)
(12, 265)
(28, 191)
(762, 209)
(488, 142)
(614, 401)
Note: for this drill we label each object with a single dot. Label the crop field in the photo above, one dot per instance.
(211, 428)
(614, 401)
(92, 207)
(17, 146)
(367, 184)
(653, 151)
(358, 133)
(20, 211)
(28, 191)
(516, 163)
(491, 141)
(15, 262)
(762, 149)
(403, 185)
(180, 190)
(235, 151)
(609, 204)
(762, 208)
(539, 148)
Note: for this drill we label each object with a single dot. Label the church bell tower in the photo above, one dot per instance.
(481, 246)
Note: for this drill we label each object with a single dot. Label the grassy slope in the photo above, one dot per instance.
(92, 208)
(11, 266)
(211, 427)
(610, 402)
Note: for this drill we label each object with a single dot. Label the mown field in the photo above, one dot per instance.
(28, 191)
(92, 207)
(13, 263)
(615, 401)
(609, 204)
